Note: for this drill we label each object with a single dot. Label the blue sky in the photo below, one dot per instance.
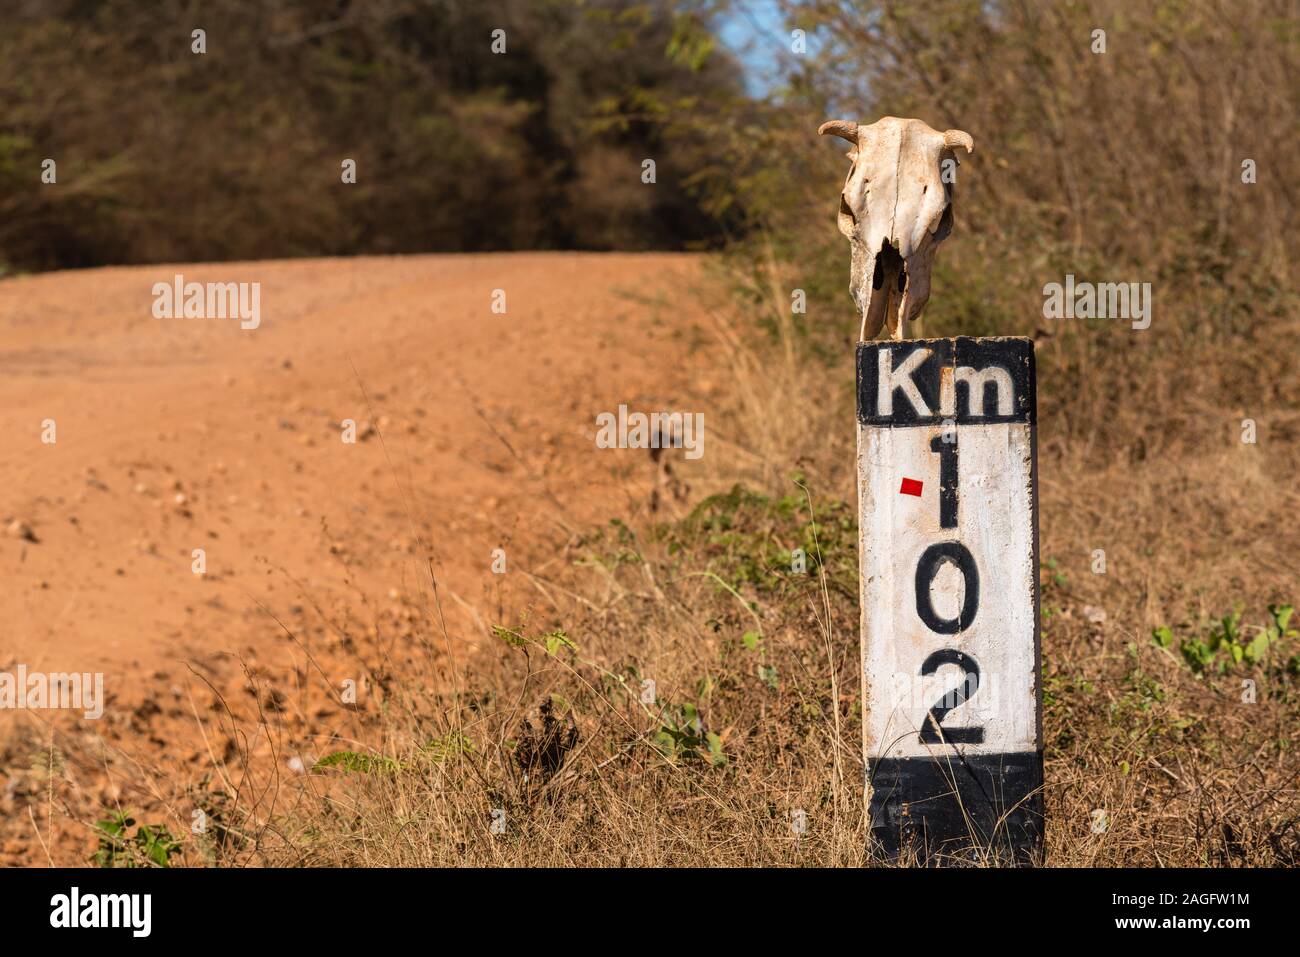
(756, 33)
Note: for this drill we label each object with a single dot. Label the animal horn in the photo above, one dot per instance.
(846, 129)
(954, 138)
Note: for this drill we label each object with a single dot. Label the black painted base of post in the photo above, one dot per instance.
(959, 809)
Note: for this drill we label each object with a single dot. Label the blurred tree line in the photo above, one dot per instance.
(1117, 141)
(167, 155)
(1108, 135)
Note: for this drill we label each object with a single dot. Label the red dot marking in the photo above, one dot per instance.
(911, 487)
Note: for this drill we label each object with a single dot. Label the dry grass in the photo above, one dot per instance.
(753, 722)
(750, 721)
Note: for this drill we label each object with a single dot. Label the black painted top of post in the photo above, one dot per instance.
(963, 380)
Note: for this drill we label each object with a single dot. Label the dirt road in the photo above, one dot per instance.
(133, 441)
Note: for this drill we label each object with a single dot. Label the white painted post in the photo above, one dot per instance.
(947, 480)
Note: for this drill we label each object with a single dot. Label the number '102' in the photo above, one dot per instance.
(927, 566)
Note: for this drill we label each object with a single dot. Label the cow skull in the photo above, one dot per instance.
(895, 209)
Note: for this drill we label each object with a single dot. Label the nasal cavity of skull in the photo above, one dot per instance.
(847, 210)
(889, 259)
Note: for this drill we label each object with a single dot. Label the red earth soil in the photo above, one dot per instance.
(474, 431)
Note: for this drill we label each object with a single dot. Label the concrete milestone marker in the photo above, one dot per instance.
(950, 638)
(948, 514)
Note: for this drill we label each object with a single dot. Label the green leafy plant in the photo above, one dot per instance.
(746, 538)
(151, 844)
(1228, 644)
(355, 762)
(600, 551)
(681, 736)
(551, 641)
